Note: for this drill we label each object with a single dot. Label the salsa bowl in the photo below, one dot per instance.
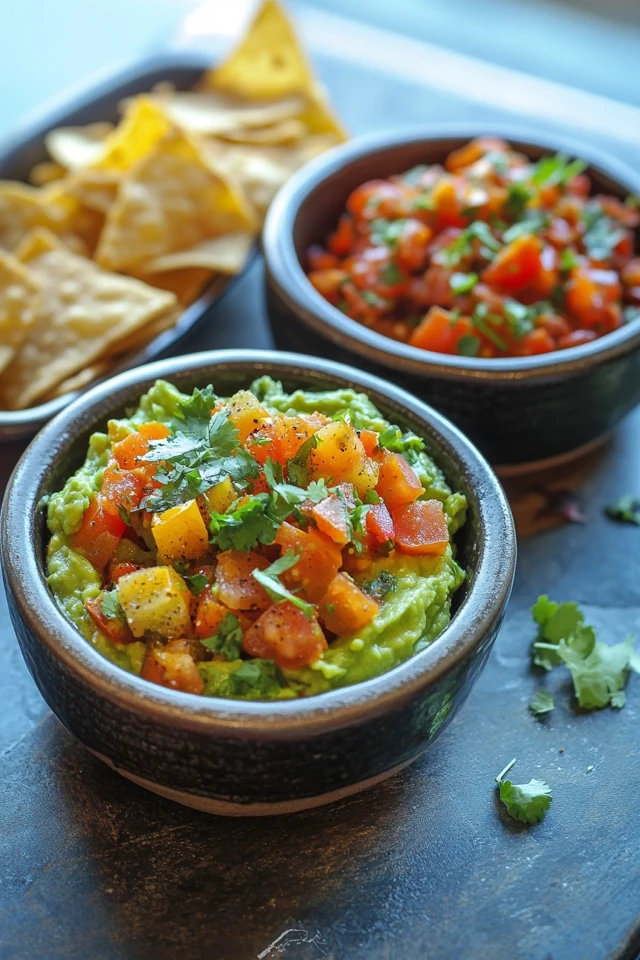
(519, 410)
(246, 758)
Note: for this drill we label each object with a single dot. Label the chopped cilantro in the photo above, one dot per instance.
(568, 259)
(298, 466)
(541, 703)
(111, 607)
(526, 802)
(556, 170)
(386, 232)
(393, 439)
(424, 202)
(599, 671)
(519, 317)
(197, 583)
(288, 493)
(371, 496)
(602, 234)
(373, 299)
(518, 196)
(194, 413)
(244, 527)
(462, 246)
(630, 314)
(227, 640)
(625, 510)
(480, 319)
(534, 222)
(270, 580)
(391, 274)
(468, 345)
(124, 515)
(463, 282)
(383, 584)
(261, 676)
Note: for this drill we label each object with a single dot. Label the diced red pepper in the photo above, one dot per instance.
(421, 528)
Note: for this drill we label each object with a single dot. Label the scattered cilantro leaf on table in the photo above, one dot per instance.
(270, 580)
(541, 703)
(526, 802)
(227, 640)
(625, 510)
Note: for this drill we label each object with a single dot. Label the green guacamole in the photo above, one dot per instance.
(414, 592)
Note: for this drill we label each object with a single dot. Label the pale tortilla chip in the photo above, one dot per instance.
(210, 113)
(186, 284)
(261, 171)
(23, 207)
(269, 63)
(77, 147)
(79, 380)
(142, 127)
(18, 293)
(46, 172)
(172, 200)
(286, 132)
(141, 337)
(226, 254)
(81, 312)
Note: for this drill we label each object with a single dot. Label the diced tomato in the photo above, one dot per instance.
(369, 441)
(433, 288)
(516, 265)
(580, 185)
(554, 324)
(320, 560)
(237, 588)
(440, 331)
(115, 570)
(128, 452)
(345, 608)
(630, 273)
(209, 614)
(115, 630)
(330, 516)
(398, 482)
(411, 249)
(421, 528)
(122, 488)
(173, 666)
(99, 533)
(379, 523)
(473, 151)
(321, 259)
(447, 198)
(329, 283)
(537, 341)
(547, 277)
(341, 240)
(576, 339)
(379, 198)
(154, 430)
(287, 636)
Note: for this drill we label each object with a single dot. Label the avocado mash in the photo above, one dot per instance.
(265, 546)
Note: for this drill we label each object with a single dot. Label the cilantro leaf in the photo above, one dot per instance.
(244, 527)
(261, 676)
(468, 345)
(568, 260)
(288, 493)
(480, 318)
(386, 232)
(197, 583)
(396, 441)
(383, 584)
(269, 579)
(518, 196)
(526, 802)
(463, 282)
(541, 703)
(124, 515)
(391, 274)
(533, 222)
(625, 510)
(194, 412)
(462, 246)
(111, 607)
(519, 318)
(227, 640)
(602, 234)
(556, 170)
(298, 466)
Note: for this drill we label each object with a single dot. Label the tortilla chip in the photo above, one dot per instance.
(186, 284)
(144, 336)
(269, 63)
(226, 254)
(79, 380)
(285, 132)
(81, 312)
(261, 171)
(141, 128)
(18, 293)
(46, 172)
(23, 207)
(76, 147)
(172, 200)
(210, 113)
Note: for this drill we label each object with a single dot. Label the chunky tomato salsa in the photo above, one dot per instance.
(489, 256)
(265, 546)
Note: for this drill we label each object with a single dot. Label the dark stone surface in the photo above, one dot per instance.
(424, 867)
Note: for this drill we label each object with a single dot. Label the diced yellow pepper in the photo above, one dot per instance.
(155, 599)
(180, 533)
(220, 497)
(246, 412)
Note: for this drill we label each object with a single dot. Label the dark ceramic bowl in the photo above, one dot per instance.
(228, 756)
(27, 147)
(517, 410)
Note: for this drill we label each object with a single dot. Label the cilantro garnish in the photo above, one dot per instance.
(468, 345)
(124, 515)
(298, 466)
(526, 802)
(197, 583)
(556, 170)
(111, 607)
(270, 580)
(541, 703)
(289, 494)
(519, 317)
(568, 260)
(386, 232)
(534, 222)
(383, 584)
(371, 496)
(227, 640)
(625, 510)
(602, 234)
(194, 413)
(396, 441)
(244, 527)
(261, 676)
(462, 246)
(463, 282)
(518, 196)
(373, 299)
(599, 671)
(390, 274)
(479, 319)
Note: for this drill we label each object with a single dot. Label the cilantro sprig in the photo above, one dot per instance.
(625, 510)
(227, 640)
(111, 607)
(270, 580)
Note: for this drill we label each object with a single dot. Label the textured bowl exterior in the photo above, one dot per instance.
(231, 756)
(516, 410)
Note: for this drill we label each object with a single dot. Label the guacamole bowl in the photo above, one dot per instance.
(250, 757)
(521, 411)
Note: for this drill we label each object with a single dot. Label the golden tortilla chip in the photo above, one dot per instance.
(144, 336)
(23, 207)
(225, 254)
(210, 113)
(18, 293)
(81, 312)
(46, 172)
(186, 284)
(142, 127)
(77, 147)
(79, 380)
(269, 63)
(285, 132)
(172, 200)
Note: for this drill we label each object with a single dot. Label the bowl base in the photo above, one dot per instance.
(534, 466)
(226, 808)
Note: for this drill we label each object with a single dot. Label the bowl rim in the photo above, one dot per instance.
(24, 574)
(286, 275)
